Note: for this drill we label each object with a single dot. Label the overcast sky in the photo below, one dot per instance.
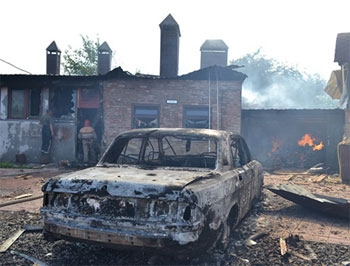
(299, 33)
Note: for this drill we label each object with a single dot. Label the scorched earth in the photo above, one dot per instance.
(311, 238)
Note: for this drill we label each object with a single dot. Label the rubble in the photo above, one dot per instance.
(265, 251)
(34, 260)
(20, 200)
(311, 238)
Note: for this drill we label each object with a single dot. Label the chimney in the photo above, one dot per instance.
(213, 52)
(53, 59)
(104, 59)
(169, 47)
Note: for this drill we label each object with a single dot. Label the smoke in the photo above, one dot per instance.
(272, 97)
(285, 93)
(274, 85)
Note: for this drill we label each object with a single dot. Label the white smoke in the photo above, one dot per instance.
(285, 93)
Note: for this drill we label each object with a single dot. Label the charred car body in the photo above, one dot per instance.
(170, 189)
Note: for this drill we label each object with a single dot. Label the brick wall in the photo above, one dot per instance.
(120, 96)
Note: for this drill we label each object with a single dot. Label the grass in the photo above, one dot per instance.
(12, 165)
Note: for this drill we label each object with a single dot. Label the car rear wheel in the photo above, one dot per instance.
(228, 226)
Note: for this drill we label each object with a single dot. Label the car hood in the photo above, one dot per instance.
(124, 181)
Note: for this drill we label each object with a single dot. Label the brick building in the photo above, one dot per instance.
(115, 101)
(207, 98)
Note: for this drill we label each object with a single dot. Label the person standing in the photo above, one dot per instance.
(87, 135)
(47, 131)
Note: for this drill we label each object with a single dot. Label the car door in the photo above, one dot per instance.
(240, 159)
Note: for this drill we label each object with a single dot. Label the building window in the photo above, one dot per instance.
(146, 116)
(34, 102)
(196, 117)
(24, 103)
(63, 103)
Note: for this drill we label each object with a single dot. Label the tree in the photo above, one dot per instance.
(82, 61)
(273, 85)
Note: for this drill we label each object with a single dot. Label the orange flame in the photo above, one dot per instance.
(307, 139)
(318, 147)
(276, 144)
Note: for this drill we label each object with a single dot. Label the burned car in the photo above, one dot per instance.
(174, 190)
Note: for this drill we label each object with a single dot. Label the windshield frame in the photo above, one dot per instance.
(166, 154)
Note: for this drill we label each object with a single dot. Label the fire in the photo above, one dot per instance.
(276, 144)
(307, 139)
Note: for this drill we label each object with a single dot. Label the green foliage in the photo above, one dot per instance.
(82, 61)
(6, 165)
(11, 165)
(273, 85)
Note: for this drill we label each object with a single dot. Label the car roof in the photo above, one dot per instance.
(178, 131)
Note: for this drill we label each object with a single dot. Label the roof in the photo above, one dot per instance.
(118, 73)
(214, 45)
(18, 80)
(53, 47)
(342, 48)
(170, 23)
(213, 72)
(216, 72)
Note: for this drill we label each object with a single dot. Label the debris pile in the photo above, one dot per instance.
(252, 243)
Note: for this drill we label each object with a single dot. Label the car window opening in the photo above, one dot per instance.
(165, 151)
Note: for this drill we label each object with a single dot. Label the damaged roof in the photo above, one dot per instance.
(20, 79)
(213, 72)
(45, 80)
(216, 72)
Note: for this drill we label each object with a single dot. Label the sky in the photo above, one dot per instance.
(298, 33)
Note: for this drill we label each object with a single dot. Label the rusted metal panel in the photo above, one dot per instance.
(332, 206)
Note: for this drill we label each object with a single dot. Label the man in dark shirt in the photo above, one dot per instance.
(47, 131)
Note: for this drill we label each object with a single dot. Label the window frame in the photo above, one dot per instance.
(242, 154)
(27, 103)
(145, 107)
(195, 108)
(70, 94)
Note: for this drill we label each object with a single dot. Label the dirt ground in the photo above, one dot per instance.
(25, 183)
(275, 216)
(281, 216)
(287, 218)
